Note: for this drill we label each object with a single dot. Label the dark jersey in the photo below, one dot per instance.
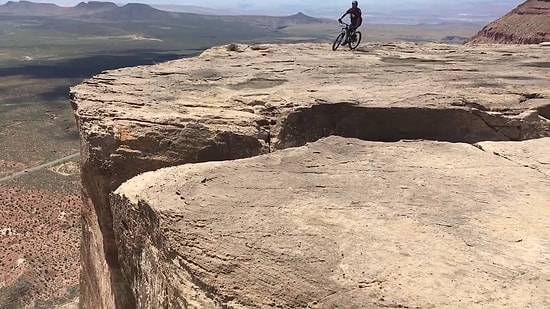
(356, 18)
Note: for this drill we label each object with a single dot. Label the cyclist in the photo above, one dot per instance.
(356, 19)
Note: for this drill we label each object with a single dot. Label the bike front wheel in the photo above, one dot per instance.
(338, 41)
(355, 42)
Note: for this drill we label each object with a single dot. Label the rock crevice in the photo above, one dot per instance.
(397, 123)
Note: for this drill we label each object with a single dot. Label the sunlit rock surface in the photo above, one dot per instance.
(337, 218)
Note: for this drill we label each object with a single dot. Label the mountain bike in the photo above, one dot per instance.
(350, 39)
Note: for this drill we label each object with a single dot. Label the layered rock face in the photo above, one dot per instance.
(330, 222)
(529, 23)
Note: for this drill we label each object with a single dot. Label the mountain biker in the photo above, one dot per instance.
(356, 19)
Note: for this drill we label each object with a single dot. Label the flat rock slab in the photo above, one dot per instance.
(341, 223)
(249, 90)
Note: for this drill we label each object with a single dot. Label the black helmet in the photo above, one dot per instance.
(354, 3)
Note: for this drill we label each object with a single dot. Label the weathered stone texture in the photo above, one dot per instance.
(226, 105)
(341, 222)
(529, 23)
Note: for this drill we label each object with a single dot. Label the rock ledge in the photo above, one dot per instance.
(253, 100)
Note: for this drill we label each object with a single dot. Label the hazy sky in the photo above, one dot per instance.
(483, 7)
(300, 3)
(212, 3)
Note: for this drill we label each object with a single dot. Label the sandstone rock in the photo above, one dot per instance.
(232, 103)
(526, 24)
(340, 222)
(532, 154)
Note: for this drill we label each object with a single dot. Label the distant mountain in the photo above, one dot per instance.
(302, 18)
(91, 9)
(130, 11)
(529, 23)
(27, 8)
(136, 11)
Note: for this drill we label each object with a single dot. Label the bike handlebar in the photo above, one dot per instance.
(343, 23)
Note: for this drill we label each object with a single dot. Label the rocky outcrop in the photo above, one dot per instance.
(243, 101)
(339, 221)
(526, 24)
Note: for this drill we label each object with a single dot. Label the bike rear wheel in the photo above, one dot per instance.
(354, 43)
(338, 41)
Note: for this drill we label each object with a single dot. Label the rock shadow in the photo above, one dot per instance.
(398, 123)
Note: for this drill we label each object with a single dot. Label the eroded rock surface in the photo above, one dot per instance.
(340, 222)
(526, 24)
(245, 101)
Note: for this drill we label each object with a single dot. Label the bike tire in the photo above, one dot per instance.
(338, 41)
(354, 44)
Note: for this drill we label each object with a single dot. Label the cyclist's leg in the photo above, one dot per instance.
(353, 28)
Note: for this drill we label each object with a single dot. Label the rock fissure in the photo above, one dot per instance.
(151, 122)
(516, 135)
(535, 168)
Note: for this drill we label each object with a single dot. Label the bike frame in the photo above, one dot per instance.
(347, 31)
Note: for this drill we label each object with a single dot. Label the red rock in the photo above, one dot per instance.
(529, 23)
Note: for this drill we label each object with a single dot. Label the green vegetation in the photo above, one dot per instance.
(71, 294)
(10, 296)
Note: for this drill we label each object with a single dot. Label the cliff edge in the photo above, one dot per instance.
(397, 175)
